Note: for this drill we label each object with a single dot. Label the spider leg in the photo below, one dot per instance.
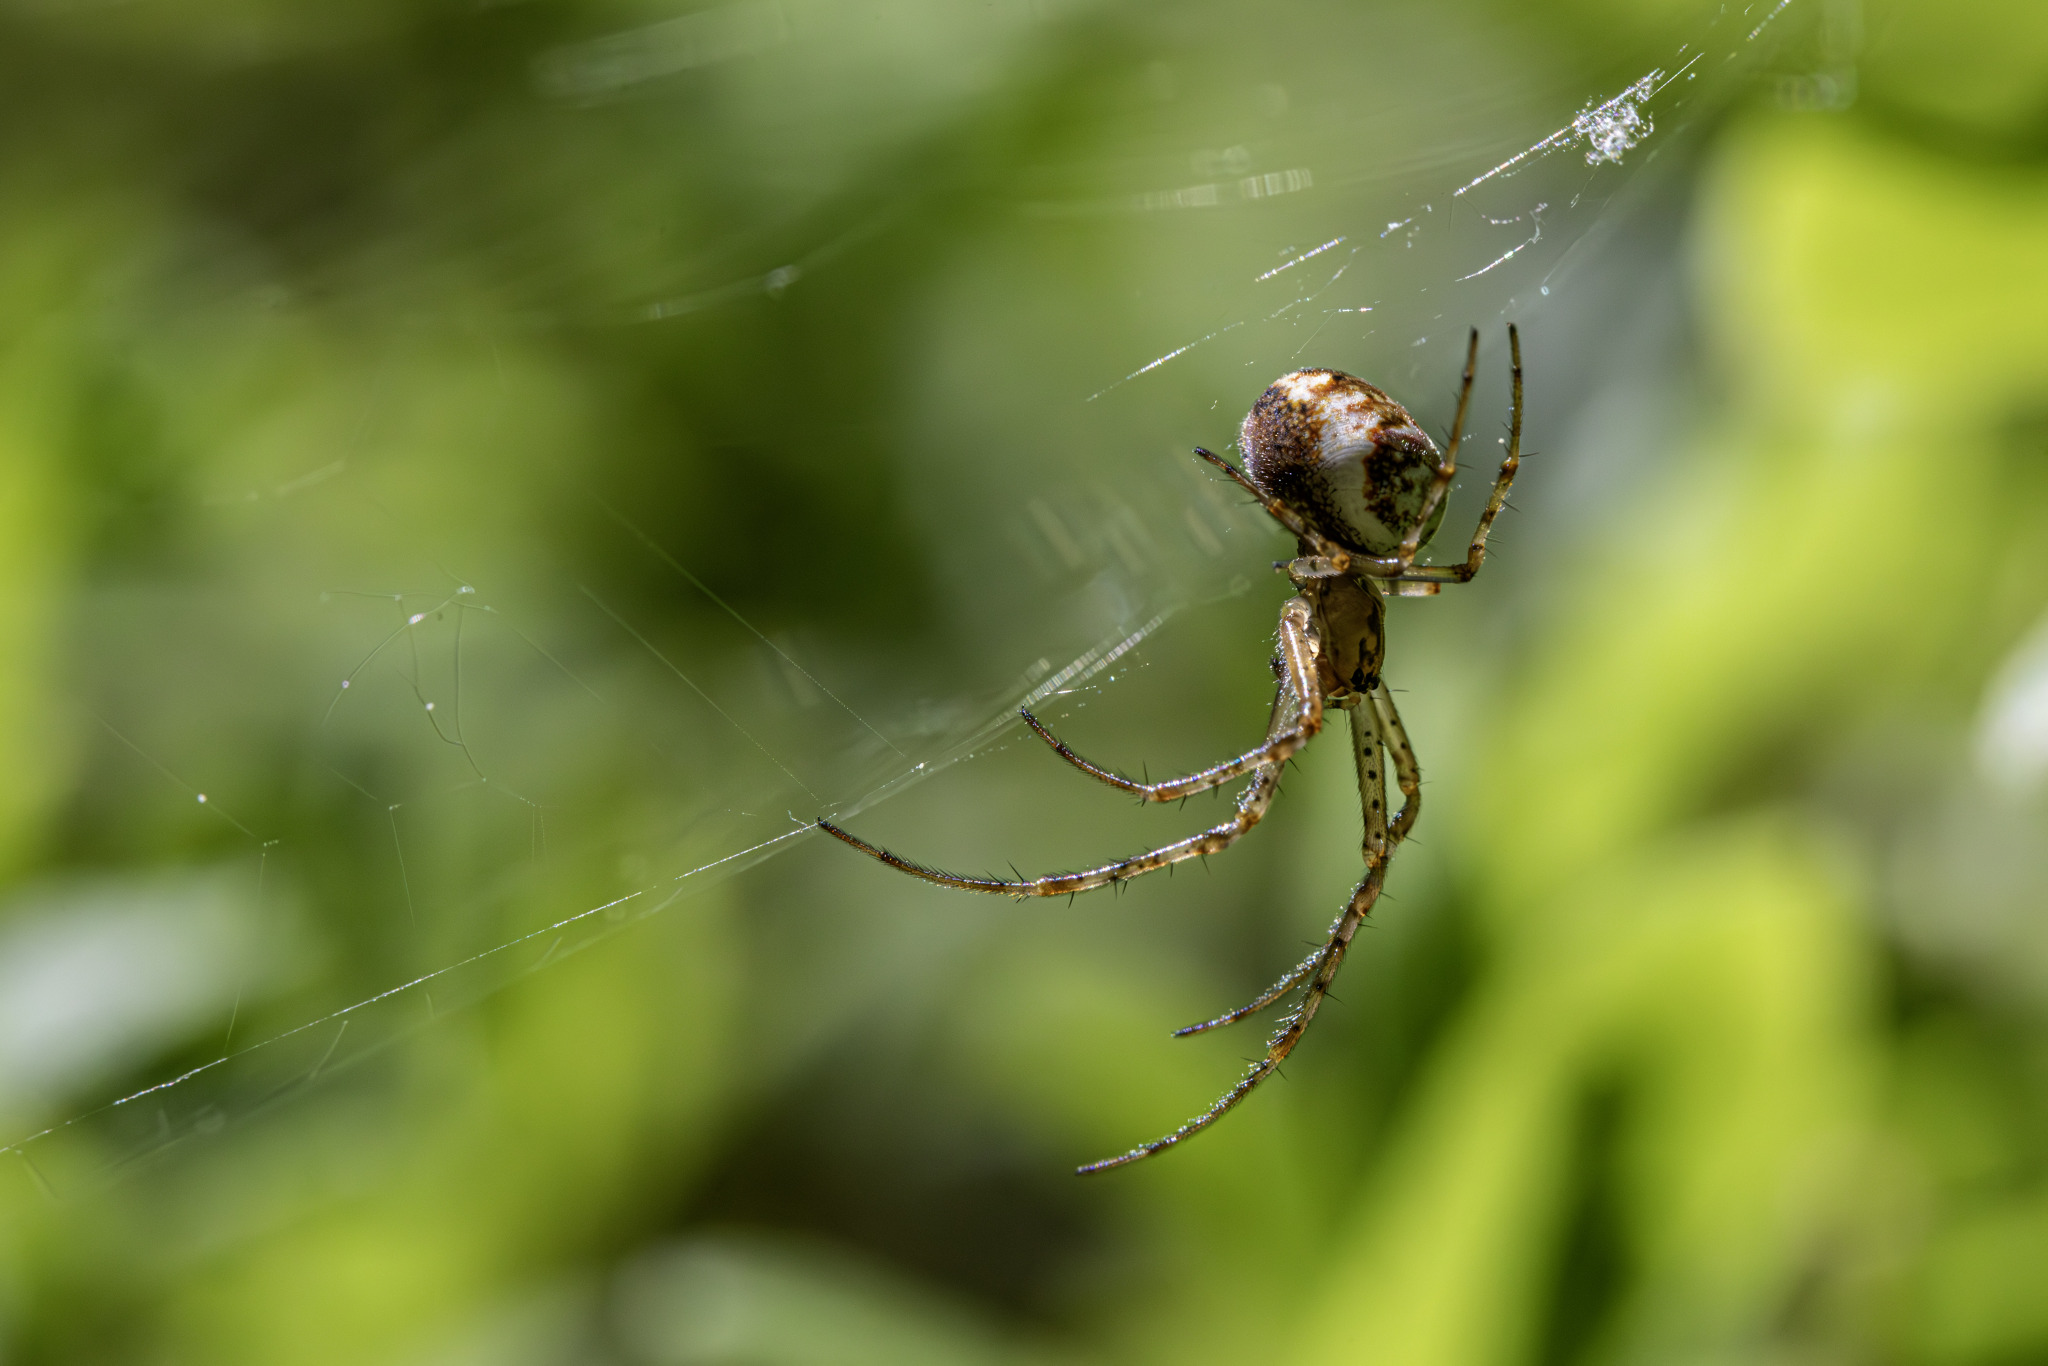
(1370, 732)
(1320, 969)
(1329, 558)
(1440, 487)
(1286, 732)
(1288, 982)
(1286, 516)
(1298, 649)
(1251, 808)
(1372, 776)
(1292, 1026)
(1394, 736)
(1476, 554)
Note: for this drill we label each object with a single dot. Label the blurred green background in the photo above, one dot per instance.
(476, 477)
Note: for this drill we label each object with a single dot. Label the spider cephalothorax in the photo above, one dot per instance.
(1361, 486)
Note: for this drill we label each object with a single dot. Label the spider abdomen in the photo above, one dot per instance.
(1344, 455)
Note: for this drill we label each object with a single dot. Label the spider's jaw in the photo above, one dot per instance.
(1345, 455)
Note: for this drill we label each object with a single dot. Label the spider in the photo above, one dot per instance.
(1362, 487)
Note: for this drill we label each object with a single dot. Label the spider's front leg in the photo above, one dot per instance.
(1288, 731)
(1298, 650)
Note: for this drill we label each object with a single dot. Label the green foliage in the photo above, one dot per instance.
(1704, 1022)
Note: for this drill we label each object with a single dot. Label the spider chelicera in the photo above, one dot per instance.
(1362, 487)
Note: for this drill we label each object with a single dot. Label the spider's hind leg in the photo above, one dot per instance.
(1372, 775)
(1447, 468)
(1475, 554)
(1408, 773)
(1324, 557)
(1326, 962)
(1320, 968)
(1293, 978)
(1369, 734)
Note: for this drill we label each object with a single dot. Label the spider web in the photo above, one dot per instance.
(455, 702)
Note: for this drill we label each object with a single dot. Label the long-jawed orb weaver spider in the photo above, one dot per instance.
(1362, 487)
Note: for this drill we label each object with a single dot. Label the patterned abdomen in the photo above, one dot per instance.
(1344, 455)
